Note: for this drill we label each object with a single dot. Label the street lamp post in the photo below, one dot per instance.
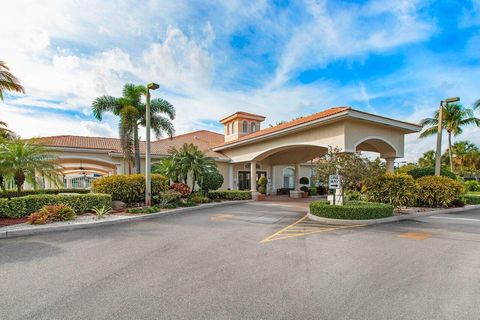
(148, 179)
(438, 155)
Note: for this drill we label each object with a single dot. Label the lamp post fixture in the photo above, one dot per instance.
(148, 178)
(438, 155)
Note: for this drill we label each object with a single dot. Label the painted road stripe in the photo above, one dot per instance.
(303, 227)
(450, 218)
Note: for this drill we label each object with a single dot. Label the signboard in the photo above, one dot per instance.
(334, 181)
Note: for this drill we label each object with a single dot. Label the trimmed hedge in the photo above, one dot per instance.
(471, 199)
(129, 188)
(23, 206)
(230, 195)
(355, 210)
(14, 194)
(430, 171)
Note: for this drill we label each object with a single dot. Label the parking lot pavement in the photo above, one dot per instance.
(212, 264)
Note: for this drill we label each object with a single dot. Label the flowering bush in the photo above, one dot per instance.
(182, 188)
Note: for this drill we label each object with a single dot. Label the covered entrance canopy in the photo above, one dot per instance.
(307, 138)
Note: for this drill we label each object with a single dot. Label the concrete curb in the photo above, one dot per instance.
(100, 223)
(389, 219)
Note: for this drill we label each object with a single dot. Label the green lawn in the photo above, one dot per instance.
(476, 194)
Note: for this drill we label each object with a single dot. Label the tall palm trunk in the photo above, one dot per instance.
(136, 144)
(450, 150)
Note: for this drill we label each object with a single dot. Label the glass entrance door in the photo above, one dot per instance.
(244, 179)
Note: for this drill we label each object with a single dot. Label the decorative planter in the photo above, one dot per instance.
(261, 197)
(304, 194)
(295, 194)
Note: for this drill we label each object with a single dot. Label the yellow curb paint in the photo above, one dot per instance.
(416, 235)
(302, 228)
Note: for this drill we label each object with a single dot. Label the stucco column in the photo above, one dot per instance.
(253, 176)
(390, 165)
(297, 177)
(230, 176)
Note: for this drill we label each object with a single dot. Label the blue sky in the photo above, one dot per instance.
(280, 58)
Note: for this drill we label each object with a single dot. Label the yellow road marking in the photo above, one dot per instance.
(303, 227)
(223, 216)
(416, 235)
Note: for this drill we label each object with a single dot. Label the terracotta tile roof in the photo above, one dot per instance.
(204, 139)
(286, 125)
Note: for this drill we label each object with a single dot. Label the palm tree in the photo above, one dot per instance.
(465, 155)
(8, 82)
(23, 160)
(455, 116)
(188, 161)
(131, 111)
(427, 159)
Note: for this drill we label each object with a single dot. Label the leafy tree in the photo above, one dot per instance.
(352, 167)
(132, 112)
(455, 116)
(8, 82)
(23, 160)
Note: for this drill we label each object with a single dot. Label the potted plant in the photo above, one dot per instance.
(305, 192)
(305, 181)
(262, 188)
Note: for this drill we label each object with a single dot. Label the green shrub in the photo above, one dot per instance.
(312, 191)
(129, 188)
(304, 180)
(472, 186)
(211, 180)
(436, 191)
(14, 194)
(24, 206)
(166, 197)
(304, 188)
(52, 213)
(186, 204)
(397, 189)
(353, 195)
(198, 198)
(469, 199)
(144, 210)
(351, 210)
(230, 195)
(430, 171)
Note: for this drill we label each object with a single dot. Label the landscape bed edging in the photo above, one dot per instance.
(53, 228)
(390, 219)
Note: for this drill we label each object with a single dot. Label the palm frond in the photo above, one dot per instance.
(105, 104)
(162, 106)
(429, 132)
(8, 82)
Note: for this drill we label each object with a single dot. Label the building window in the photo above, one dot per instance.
(254, 127)
(233, 127)
(245, 126)
(228, 129)
(288, 178)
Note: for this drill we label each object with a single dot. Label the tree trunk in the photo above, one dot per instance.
(2, 185)
(450, 150)
(19, 178)
(136, 144)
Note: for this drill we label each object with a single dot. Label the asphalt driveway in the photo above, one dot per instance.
(214, 264)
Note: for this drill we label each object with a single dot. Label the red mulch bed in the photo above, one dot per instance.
(9, 221)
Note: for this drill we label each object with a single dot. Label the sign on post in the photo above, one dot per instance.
(334, 181)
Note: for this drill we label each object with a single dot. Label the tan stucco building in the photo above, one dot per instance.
(282, 153)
